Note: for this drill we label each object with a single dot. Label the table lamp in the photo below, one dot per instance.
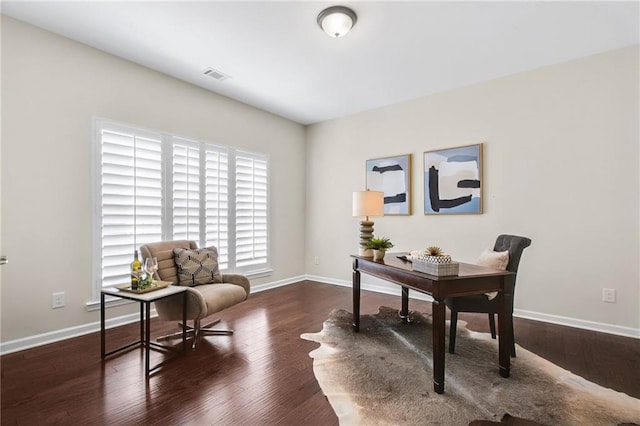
(367, 203)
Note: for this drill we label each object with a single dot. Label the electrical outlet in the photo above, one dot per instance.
(316, 260)
(57, 300)
(609, 295)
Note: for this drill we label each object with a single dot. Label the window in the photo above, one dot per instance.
(151, 186)
(251, 210)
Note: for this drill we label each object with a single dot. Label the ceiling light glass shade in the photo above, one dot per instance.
(336, 21)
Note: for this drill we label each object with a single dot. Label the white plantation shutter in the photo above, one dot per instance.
(200, 183)
(131, 198)
(217, 202)
(251, 210)
(186, 190)
(151, 187)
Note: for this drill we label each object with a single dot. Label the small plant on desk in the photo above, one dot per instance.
(379, 246)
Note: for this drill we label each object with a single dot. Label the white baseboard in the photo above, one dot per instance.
(67, 333)
(520, 313)
(578, 323)
(268, 286)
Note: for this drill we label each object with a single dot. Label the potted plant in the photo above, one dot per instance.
(379, 247)
(434, 254)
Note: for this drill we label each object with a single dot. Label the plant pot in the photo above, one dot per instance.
(378, 254)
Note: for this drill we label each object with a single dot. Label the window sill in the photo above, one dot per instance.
(260, 273)
(110, 302)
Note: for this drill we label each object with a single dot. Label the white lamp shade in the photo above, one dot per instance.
(368, 203)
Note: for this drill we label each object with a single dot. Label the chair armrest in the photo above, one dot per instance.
(237, 279)
(170, 308)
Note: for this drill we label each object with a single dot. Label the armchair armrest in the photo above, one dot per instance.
(237, 279)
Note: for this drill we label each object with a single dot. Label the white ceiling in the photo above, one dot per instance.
(281, 61)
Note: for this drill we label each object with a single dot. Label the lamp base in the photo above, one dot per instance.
(366, 233)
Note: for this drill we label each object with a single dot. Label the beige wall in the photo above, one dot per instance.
(561, 167)
(52, 88)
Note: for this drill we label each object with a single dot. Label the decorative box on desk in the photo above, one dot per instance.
(440, 267)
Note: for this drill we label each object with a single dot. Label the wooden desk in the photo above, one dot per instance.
(472, 279)
(145, 300)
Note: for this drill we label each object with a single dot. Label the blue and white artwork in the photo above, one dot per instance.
(452, 180)
(392, 176)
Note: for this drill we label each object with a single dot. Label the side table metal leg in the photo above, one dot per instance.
(147, 339)
(142, 321)
(184, 322)
(102, 327)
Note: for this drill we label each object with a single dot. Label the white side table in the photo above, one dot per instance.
(145, 300)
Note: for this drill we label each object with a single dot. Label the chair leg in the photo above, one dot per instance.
(190, 332)
(205, 330)
(452, 331)
(209, 324)
(196, 334)
(196, 331)
(492, 325)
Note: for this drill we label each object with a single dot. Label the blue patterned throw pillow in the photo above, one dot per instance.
(196, 267)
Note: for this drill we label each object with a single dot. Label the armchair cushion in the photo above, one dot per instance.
(202, 301)
(197, 267)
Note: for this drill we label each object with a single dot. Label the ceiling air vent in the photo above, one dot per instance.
(215, 74)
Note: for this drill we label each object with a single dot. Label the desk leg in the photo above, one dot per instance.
(147, 338)
(404, 311)
(438, 311)
(102, 326)
(356, 299)
(505, 334)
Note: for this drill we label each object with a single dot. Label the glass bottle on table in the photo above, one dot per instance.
(136, 271)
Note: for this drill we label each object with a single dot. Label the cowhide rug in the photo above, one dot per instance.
(383, 376)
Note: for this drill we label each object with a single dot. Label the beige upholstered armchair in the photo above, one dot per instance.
(202, 300)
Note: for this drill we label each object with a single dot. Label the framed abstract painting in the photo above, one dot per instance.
(392, 175)
(453, 180)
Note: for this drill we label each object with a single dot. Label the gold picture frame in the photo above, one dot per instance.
(391, 175)
(453, 180)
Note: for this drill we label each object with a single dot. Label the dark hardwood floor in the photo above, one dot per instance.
(262, 375)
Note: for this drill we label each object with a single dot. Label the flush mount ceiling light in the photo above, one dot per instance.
(336, 21)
